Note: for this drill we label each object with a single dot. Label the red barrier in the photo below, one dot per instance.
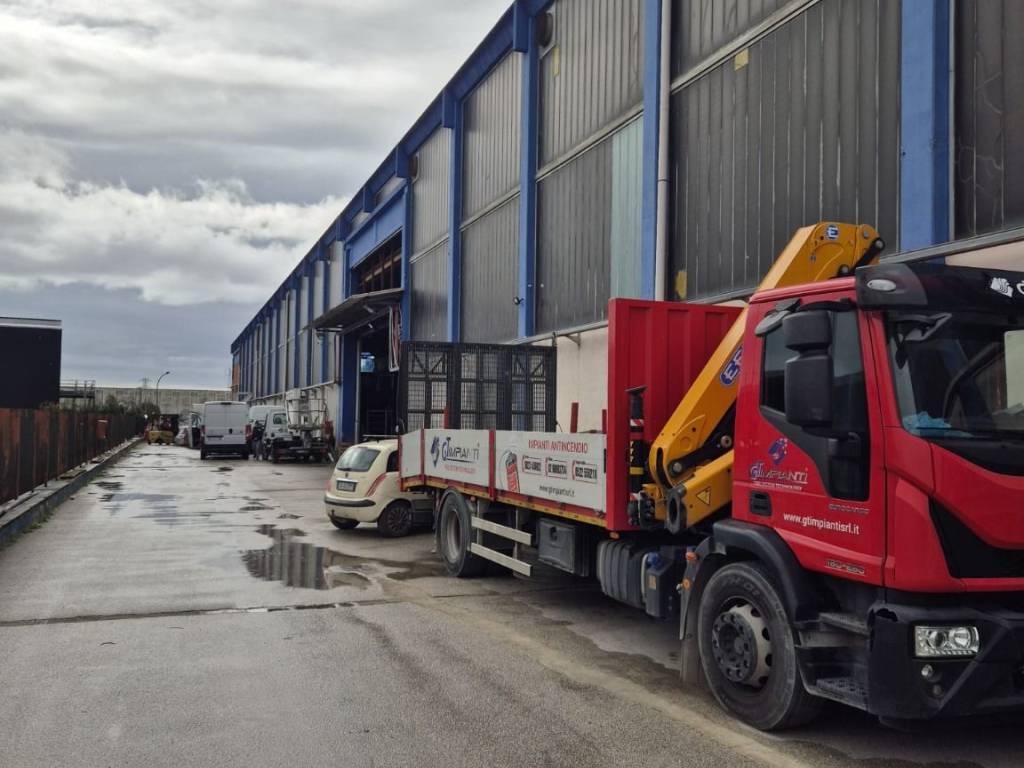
(37, 446)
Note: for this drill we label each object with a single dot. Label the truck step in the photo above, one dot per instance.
(846, 622)
(846, 690)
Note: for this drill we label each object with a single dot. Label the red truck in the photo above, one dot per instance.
(826, 488)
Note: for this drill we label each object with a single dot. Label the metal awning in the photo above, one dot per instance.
(358, 310)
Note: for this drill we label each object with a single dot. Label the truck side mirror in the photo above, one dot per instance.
(808, 395)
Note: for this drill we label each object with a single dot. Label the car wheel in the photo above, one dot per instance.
(747, 650)
(344, 524)
(396, 520)
(454, 534)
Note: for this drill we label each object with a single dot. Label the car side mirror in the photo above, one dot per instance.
(808, 393)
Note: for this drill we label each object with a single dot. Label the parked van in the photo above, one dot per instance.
(223, 429)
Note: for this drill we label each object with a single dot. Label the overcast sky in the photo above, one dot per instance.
(164, 165)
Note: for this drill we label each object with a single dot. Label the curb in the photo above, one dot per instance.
(18, 516)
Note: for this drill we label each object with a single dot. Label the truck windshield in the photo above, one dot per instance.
(358, 458)
(960, 375)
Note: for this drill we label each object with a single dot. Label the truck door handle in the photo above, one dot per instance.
(760, 504)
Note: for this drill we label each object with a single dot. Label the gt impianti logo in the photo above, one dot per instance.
(445, 450)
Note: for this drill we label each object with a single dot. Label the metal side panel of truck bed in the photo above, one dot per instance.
(556, 473)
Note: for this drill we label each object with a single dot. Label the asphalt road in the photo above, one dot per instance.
(186, 613)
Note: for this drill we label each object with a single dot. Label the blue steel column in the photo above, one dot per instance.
(310, 306)
(348, 366)
(407, 202)
(325, 301)
(925, 168)
(347, 396)
(452, 117)
(525, 40)
(278, 364)
(297, 296)
(651, 118)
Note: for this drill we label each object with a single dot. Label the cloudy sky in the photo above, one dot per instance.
(164, 165)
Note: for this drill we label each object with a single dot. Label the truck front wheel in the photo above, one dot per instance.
(748, 652)
(454, 534)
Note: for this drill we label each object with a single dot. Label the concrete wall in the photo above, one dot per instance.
(171, 400)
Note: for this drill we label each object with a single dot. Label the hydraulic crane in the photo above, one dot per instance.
(690, 462)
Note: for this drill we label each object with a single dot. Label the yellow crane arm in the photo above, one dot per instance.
(691, 458)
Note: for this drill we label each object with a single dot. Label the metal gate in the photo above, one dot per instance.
(480, 386)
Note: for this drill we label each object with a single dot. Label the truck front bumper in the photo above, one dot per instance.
(903, 686)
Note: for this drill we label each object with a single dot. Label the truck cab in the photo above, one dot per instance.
(880, 437)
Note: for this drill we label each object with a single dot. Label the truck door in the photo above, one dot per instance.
(820, 486)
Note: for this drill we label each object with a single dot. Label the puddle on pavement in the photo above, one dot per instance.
(301, 564)
(288, 516)
(253, 508)
(107, 485)
(224, 469)
(116, 500)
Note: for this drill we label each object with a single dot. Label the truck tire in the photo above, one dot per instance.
(747, 650)
(396, 520)
(454, 534)
(202, 454)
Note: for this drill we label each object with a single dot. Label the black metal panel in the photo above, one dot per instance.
(490, 275)
(989, 114)
(481, 386)
(574, 223)
(429, 305)
(701, 27)
(802, 128)
(31, 366)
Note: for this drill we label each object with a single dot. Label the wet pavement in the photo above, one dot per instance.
(178, 612)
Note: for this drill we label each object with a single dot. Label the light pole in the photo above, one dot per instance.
(159, 412)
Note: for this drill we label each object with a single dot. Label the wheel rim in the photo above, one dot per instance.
(398, 519)
(741, 645)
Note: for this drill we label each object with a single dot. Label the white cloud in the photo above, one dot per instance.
(177, 248)
(188, 153)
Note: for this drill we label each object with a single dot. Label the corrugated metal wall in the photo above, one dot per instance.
(588, 229)
(701, 27)
(387, 190)
(491, 137)
(318, 309)
(803, 126)
(429, 277)
(989, 190)
(302, 335)
(591, 73)
(430, 190)
(490, 275)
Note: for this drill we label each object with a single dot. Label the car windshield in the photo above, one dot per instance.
(959, 375)
(358, 458)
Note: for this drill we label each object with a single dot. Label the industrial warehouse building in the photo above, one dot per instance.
(527, 194)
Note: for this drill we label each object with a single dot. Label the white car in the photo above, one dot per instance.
(364, 489)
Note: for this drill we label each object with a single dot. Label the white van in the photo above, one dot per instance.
(223, 429)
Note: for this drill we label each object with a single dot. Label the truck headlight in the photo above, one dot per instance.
(936, 642)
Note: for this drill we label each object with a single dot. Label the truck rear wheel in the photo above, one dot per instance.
(454, 534)
(747, 650)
